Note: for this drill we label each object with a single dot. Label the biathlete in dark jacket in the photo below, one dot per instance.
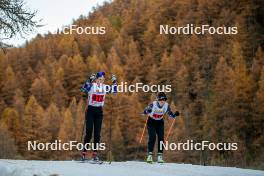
(155, 124)
(96, 91)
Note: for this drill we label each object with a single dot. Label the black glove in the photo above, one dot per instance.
(176, 113)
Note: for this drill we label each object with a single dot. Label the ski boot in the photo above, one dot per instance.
(95, 159)
(160, 159)
(149, 158)
(83, 156)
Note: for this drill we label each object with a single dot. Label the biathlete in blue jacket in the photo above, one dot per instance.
(155, 124)
(96, 90)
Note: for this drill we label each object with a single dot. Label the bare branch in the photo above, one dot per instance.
(15, 19)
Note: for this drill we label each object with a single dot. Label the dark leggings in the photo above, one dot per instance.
(94, 118)
(155, 127)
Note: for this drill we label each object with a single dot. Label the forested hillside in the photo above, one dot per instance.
(217, 81)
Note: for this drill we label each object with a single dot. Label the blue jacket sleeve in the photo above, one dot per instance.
(86, 87)
(148, 109)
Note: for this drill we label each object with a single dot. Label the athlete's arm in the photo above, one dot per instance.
(171, 114)
(87, 86)
(112, 88)
(148, 109)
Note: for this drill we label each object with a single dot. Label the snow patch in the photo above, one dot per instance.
(19, 168)
(129, 168)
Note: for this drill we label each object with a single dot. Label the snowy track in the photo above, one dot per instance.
(131, 168)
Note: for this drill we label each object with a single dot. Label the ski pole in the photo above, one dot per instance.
(144, 129)
(84, 122)
(83, 130)
(110, 127)
(141, 137)
(169, 131)
(110, 132)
